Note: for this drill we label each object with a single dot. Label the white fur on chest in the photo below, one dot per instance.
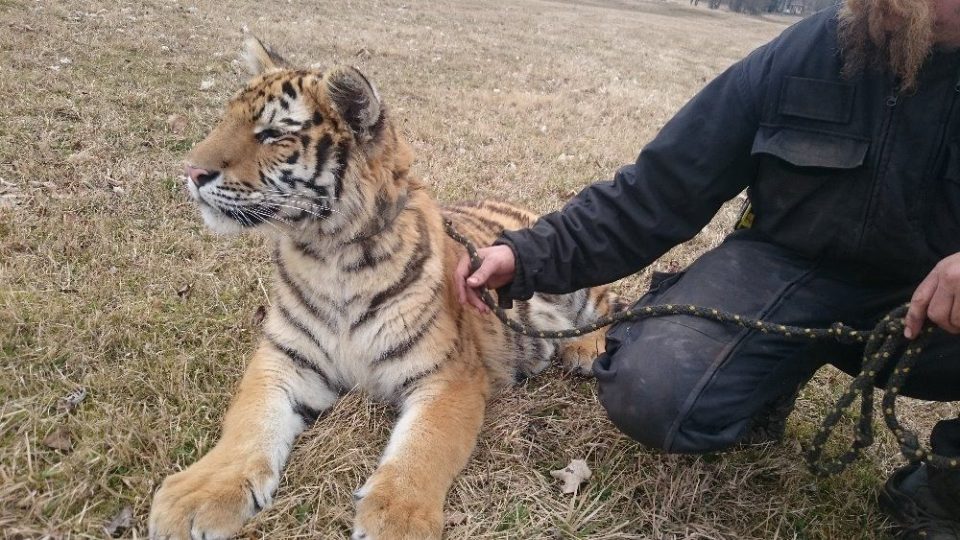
(325, 311)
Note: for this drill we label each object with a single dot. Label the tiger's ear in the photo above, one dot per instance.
(355, 98)
(261, 58)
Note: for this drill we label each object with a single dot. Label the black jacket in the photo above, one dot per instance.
(839, 169)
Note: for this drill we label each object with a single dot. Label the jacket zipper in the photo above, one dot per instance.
(892, 100)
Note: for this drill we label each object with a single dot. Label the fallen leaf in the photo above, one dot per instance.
(177, 123)
(69, 402)
(59, 439)
(456, 518)
(184, 292)
(258, 315)
(207, 84)
(120, 522)
(572, 475)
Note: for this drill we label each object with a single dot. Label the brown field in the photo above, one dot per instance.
(108, 280)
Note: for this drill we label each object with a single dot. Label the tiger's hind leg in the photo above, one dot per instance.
(578, 355)
(281, 393)
(581, 308)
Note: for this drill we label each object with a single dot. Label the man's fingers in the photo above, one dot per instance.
(475, 282)
(952, 318)
(955, 315)
(917, 313)
(941, 309)
(480, 277)
(460, 276)
(476, 301)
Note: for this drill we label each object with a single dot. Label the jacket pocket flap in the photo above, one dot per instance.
(808, 149)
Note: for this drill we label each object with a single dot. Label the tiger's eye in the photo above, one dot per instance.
(266, 134)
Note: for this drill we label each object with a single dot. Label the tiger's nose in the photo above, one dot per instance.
(199, 176)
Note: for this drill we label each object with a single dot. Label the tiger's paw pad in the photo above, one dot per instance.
(381, 516)
(206, 503)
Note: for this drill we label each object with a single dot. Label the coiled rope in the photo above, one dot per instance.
(885, 345)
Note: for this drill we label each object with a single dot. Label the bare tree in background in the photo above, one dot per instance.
(753, 6)
(797, 7)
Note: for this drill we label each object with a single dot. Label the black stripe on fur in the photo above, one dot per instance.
(412, 271)
(299, 360)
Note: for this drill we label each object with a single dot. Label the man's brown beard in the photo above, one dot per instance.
(897, 34)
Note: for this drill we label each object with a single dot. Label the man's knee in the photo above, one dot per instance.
(654, 414)
(627, 407)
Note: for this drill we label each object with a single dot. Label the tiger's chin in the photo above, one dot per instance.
(220, 223)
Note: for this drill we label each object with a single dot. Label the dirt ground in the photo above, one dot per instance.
(109, 281)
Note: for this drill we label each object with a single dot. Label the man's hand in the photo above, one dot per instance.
(496, 270)
(937, 298)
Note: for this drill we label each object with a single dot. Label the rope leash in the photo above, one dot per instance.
(884, 345)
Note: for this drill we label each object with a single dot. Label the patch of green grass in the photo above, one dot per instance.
(302, 512)
(186, 451)
(517, 518)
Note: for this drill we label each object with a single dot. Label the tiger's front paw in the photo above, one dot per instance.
(389, 512)
(209, 500)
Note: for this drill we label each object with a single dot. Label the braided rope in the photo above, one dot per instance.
(884, 345)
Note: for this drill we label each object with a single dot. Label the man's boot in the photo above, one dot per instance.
(770, 424)
(922, 500)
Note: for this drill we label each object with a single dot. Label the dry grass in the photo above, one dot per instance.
(524, 101)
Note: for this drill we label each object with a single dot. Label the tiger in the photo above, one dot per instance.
(363, 300)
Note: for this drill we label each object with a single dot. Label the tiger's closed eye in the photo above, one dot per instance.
(267, 134)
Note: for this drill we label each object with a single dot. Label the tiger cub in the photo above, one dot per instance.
(363, 299)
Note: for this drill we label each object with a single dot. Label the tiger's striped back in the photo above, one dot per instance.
(482, 222)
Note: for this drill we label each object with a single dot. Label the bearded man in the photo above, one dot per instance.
(846, 132)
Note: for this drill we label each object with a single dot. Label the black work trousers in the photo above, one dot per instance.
(687, 385)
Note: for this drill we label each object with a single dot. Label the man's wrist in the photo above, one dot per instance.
(518, 289)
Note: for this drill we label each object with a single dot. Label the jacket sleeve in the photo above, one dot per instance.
(700, 159)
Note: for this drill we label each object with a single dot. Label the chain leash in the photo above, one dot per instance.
(884, 346)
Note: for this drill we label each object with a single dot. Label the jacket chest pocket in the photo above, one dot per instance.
(803, 173)
(811, 186)
(810, 153)
(810, 127)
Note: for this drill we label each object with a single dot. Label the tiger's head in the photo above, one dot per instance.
(297, 150)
